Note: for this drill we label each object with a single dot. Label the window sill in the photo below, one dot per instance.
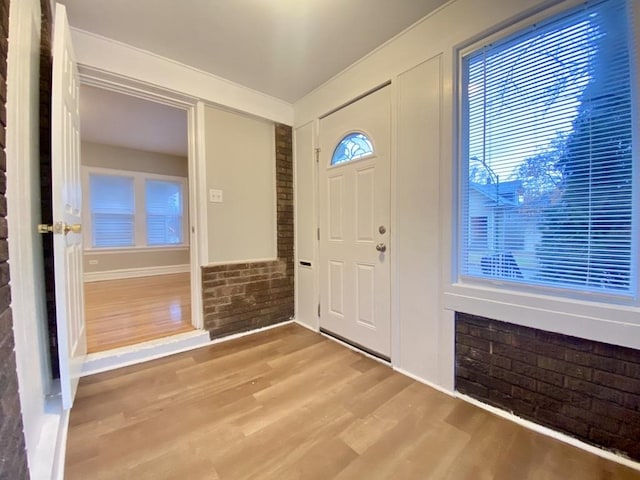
(119, 250)
(614, 324)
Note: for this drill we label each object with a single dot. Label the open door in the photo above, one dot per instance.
(67, 213)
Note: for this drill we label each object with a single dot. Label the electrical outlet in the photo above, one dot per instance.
(215, 196)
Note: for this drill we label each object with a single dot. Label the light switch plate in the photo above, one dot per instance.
(215, 196)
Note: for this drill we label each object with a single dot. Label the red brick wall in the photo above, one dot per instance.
(13, 458)
(239, 297)
(589, 390)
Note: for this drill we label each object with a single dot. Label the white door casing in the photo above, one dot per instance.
(354, 214)
(67, 209)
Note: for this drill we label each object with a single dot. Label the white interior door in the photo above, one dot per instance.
(67, 211)
(354, 226)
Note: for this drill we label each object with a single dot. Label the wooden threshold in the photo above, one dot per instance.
(288, 403)
(133, 310)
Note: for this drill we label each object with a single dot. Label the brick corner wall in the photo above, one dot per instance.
(239, 297)
(586, 389)
(13, 456)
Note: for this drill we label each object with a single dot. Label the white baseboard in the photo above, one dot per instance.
(306, 325)
(606, 454)
(425, 382)
(46, 462)
(57, 472)
(135, 272)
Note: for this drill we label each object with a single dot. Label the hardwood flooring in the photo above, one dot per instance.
(133, 310)
(291, 404)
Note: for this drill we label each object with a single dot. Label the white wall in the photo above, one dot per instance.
(240, 161)
(305, 236)
(23, 215)
(422, 64)
(121, 158)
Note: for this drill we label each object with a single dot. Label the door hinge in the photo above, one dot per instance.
(318, 233)
(318, 310)
(317, 155)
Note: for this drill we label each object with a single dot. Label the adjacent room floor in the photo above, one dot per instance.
(289, 403)
(129, 311)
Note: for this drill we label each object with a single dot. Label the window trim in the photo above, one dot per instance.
(140, 213)
(469, 287)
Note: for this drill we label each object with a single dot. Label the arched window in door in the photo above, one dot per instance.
(353, 146)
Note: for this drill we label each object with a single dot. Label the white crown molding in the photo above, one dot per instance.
(98, 53)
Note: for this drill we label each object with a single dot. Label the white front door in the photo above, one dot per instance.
(354, 223)
(67, 211)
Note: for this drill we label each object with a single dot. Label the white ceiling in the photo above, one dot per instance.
(116, 119)
(284, 48)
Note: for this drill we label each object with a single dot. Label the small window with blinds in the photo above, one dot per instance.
(112, 211)
(164, 212)
(547, 155)
(128, 209)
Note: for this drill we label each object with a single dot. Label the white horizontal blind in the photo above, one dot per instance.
(112, 210)
(547, 150)
(164, 212)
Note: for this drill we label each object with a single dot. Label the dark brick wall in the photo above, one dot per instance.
(589, 390)
(13, 458)
(238, 297)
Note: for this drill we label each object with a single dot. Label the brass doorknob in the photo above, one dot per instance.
(75, 228)
(59, 228)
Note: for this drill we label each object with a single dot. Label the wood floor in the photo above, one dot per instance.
(290, 404)
(133, 310)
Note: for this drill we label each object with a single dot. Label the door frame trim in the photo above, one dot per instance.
(194, 108)
(355, 99)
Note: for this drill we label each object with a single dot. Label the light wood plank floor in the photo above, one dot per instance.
(133, 310)
(290, 404)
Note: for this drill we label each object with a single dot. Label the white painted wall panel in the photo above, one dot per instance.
(306, 300)
(121, 158)
(305, 237)
(240, 158)
(304, 191)
(418, 253)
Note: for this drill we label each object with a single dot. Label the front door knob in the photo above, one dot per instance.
(381, 247)
(59, 228)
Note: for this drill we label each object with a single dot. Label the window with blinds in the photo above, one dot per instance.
(164, 212)
(547, 159)
(112, 211)
(135, 209)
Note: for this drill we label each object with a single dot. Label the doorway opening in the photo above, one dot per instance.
(136, 255)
